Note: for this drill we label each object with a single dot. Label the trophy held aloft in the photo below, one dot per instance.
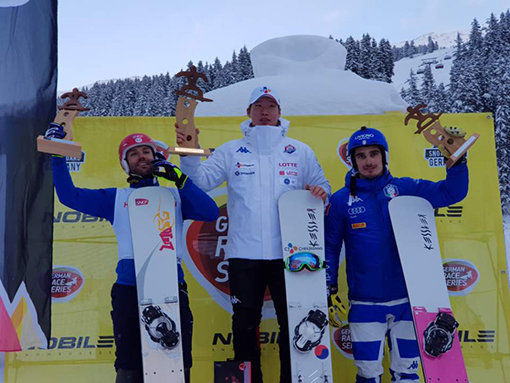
(65, 117)
(189, 95)
(450, 141)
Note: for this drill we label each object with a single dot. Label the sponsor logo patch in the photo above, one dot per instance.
(353, 199)
(354, 211)
(66, 282)
(289, 181)
(141, 201)
(359, 225)
(390, 191)
(243, 149)
(288, 164)
(240, 165)
(289, 149)
(238, 173)
(461, 276)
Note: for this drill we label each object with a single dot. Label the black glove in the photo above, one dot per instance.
(165, 169)
(54, 131)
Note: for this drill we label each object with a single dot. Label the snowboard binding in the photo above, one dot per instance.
(308, 333)
(160, 327)
(439, 335)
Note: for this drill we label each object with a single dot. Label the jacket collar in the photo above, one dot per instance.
(152, 181)
(366, 185)
(264, 138)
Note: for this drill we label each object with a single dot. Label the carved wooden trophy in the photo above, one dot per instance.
(449, 140)
(67, 113)
(189, 94)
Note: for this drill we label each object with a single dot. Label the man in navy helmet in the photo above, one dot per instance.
(359, 219)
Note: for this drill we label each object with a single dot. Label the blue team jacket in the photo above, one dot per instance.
(362, 223)
(195, 204)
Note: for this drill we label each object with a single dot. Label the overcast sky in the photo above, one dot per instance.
(109, 39)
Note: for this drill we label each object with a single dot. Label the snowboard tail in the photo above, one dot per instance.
(413, 223)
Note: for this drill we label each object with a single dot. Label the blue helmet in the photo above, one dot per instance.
(367, 137)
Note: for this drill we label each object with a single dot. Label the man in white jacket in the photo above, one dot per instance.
(258, 169)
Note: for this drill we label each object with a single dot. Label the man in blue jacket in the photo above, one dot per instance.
(358, 218)
(140, 159)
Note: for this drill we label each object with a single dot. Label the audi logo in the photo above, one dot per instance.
(356, 210)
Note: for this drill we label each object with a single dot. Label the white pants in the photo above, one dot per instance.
(370, 324)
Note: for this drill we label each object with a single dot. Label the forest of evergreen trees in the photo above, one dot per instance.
(479, 82)
(155, 95)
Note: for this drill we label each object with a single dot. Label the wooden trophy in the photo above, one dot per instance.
(189, 95)
(67, 113)
(449, 140)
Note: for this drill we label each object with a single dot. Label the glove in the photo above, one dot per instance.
(165, 169)
(54, 131)
(336, 308)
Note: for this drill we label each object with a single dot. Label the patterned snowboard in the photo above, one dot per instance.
(415, 231)
(302, 230)
(152, 219)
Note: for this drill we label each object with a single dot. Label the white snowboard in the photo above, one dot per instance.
(414, 226)
(302, 230)
(152, 220)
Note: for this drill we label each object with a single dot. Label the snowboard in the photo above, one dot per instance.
(414, 226)
(152, 220)
(302, 231)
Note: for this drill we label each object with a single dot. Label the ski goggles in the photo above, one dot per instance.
(298, 261)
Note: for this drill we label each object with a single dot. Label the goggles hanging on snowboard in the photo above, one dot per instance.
(298, 261)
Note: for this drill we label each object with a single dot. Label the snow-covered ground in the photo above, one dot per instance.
(308, 74)
(403, 67)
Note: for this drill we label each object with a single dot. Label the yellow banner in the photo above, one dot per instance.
(85, 254)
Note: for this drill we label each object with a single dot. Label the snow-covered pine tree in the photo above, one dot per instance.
(502, 133)
(441, 99)
(353, 52)
(412, 95)
(365, 61)
(476, 99)
(428, 89)
(141, 106)
(218, 78)
(245, 67)
(234, 74)
(386, 57)
(430, 45)
(459, 81)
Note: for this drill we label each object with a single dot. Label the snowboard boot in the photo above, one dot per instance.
(129, 376)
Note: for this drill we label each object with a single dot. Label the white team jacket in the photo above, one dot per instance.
(258, 169)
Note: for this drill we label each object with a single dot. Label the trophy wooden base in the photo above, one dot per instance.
(58, 146)
(182, 151)
(462, 150)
